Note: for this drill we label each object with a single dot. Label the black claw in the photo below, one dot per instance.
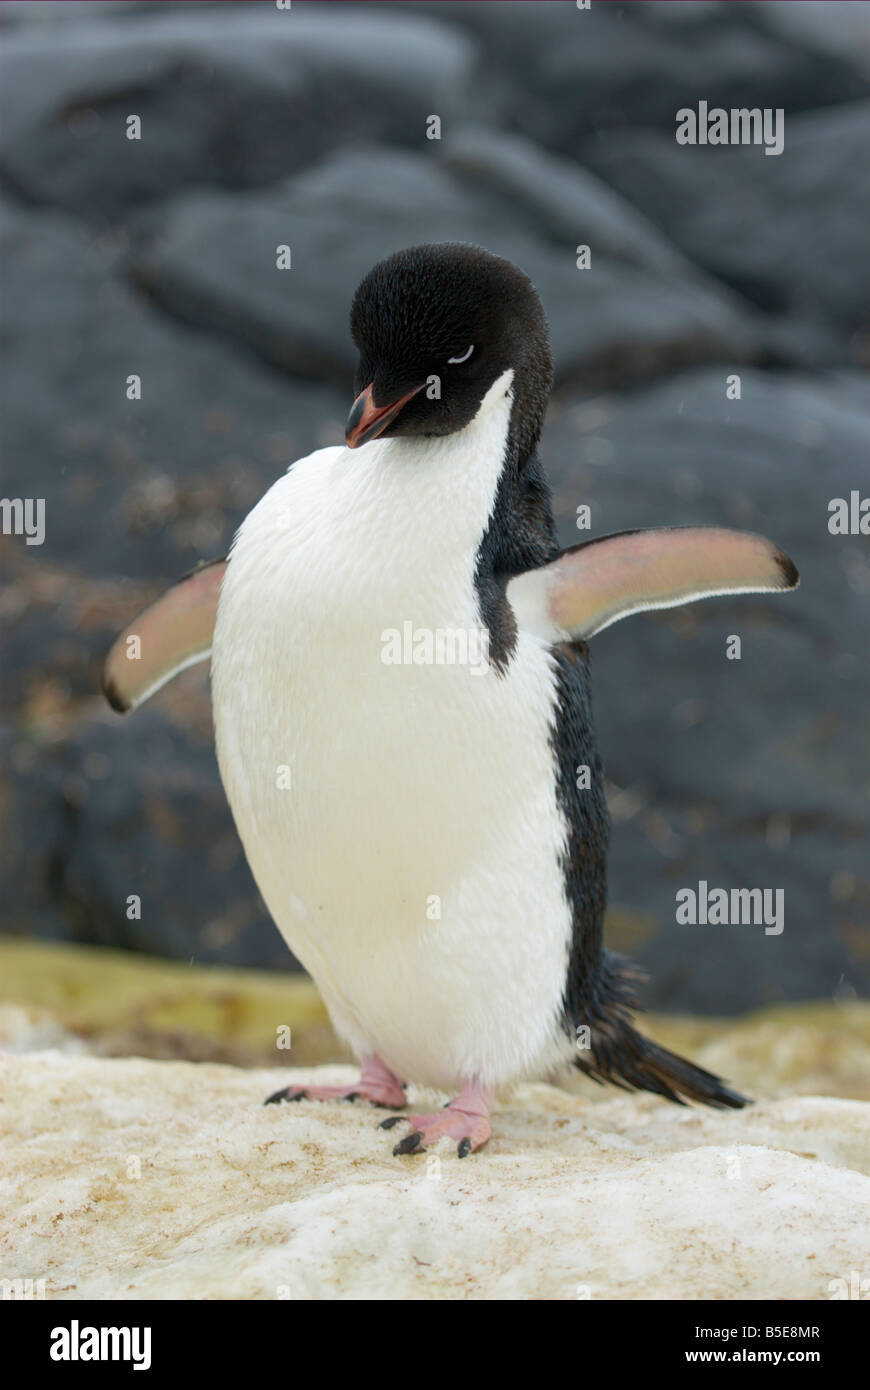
(353, 1095)
(409, 1145)
(390, 1121)
(464, 1147)
(282, 1095)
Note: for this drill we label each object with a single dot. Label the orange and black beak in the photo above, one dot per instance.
(367, 420)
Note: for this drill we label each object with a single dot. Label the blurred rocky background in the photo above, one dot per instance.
(308, 127)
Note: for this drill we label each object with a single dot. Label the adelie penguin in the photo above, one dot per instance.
(417, 831)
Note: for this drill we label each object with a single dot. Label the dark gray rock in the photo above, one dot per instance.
(213, 262)
(747, 773)
(130, 808)
(687, 13)
(31, 826)
(556, 73)
(837, 29)
(238, 96)
(726, 969)
(787, 231)
(558, 199)
(133, 488)
(52, 12)
(93, 808)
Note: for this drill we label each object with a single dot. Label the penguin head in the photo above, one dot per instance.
(436, 327)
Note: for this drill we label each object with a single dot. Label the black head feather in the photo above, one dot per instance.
(424, 305)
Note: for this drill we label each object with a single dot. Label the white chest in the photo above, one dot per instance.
(399, 816)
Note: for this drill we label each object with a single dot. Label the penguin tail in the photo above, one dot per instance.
(611, 1050)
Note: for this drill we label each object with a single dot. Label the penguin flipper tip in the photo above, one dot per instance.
(171, 634)
(599, 582)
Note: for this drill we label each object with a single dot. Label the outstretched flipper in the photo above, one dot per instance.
(174, 633)
(598, 582)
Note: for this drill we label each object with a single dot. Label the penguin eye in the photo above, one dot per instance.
(454, 361)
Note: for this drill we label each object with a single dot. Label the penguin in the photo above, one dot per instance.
(411, 810)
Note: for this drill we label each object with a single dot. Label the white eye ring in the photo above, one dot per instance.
(454, 361)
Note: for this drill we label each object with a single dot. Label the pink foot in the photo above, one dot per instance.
(465, 1119)
(376, 1084)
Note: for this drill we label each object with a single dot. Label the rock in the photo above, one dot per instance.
(50, 12)
(117, 832)
(262, 128)
(837, 29)
(27, 1029)
(749, 773)
(165, 1180)
(134, 491)
(137, 844)
(688, 12)
(118, 1004)
(622, 65)
(560, 200)
(785, 230)
(228, 100)
(133, 488)
(213, 261)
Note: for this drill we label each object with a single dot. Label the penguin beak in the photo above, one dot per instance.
(367, 420)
